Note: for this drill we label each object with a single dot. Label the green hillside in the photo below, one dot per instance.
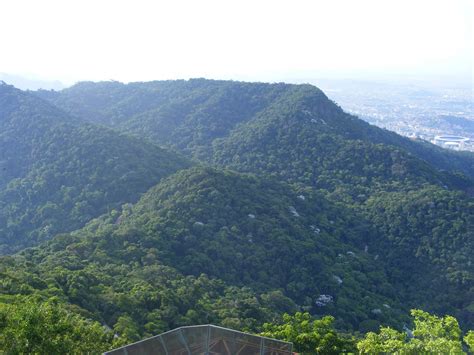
(58, 172)
(192, 116)
(23, 119)
(427, 246)
(216, 246)
(258, 241)
(307, 139)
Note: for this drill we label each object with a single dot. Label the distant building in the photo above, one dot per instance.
(451, 142)
(205, 340)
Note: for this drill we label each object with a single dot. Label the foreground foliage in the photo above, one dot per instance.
(32, 326)
(309, 335)
(431, 335)
(469, 340)
(35, 327)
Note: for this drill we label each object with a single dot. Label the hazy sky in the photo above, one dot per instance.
(250, 40)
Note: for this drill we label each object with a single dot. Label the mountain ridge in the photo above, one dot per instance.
(60, 172)
(139, 114)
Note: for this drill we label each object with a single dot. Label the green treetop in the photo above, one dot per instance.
(309, 335)
(431, 335)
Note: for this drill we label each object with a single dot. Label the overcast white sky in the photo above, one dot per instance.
(247, 40)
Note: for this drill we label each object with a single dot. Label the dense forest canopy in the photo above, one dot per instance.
(61, 172)
(148, 206)
(192, 115)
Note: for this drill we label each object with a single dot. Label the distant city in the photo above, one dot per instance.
(442, 116)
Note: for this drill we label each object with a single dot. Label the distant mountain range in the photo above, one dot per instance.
(28, 83)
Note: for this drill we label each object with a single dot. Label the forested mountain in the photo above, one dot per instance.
(295, 205)
(196, 115)
(305, 138)
(294, 133)
(58, 172)
(259, 242)
(211, 246)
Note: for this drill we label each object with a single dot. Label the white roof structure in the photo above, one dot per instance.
(205, 340)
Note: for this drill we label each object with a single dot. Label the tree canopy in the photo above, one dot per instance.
(31, 326)
(431, 335)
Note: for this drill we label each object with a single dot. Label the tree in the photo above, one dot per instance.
(469, 340)
(35, 327)
(308, 335)
(127, 328)
(431, 335)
